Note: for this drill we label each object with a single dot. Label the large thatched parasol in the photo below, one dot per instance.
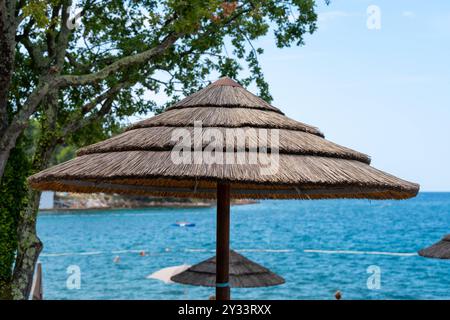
(293, 160)
(244, 273)
(439, 250)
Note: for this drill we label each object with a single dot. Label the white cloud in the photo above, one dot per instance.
(408, 14)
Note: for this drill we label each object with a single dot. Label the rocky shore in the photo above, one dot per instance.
(78, 201)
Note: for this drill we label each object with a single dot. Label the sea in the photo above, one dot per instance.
(365, 249)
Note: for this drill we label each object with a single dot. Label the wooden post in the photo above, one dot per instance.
(223, 242)
(37, 291)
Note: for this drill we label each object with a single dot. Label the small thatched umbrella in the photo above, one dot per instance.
(244, 273)
(140, 161)
(439, 250)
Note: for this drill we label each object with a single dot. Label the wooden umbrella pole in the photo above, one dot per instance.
(223, 242)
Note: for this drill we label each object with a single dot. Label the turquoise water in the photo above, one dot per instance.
(276, 234)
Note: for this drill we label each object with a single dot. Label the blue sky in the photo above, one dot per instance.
(383, 92)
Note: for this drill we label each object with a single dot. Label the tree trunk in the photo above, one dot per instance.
(13, 198)
(29, 248)
(7, 45)
(4, 156)
(29, 245)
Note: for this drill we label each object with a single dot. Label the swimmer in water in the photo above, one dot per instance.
(116, 259)
(338, 295)
(142, 253)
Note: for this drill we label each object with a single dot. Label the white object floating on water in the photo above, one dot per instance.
(183, 224)
(91, 253)
(165, 274)
(128, 251)
(199, 250)
(399, 254)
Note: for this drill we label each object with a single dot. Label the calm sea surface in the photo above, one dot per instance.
(317, 246)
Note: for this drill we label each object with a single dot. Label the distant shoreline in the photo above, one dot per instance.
(155, 204)
(67, 201)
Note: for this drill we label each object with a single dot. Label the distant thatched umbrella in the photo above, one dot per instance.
(139, 161)
(439, 250)
(244, 273)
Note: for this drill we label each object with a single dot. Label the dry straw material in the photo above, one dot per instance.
(308, 166)
(244, 273)
(439, 250)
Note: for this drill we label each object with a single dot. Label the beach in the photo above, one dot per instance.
(319, 247)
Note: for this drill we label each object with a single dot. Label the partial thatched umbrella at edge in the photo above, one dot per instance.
(139, 161)
(244, 273)
(439, 250)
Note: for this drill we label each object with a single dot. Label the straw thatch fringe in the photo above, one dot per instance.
(225, 117)
(244, 273)
(309, 172)
(439, 250)
(245, 193)
(290, 142)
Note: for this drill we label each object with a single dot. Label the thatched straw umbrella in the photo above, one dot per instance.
(302, 164)
(439, 250)
(244, 273)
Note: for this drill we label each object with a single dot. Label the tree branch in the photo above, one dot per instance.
(63, 36)
(78, 122)
(7, 45)
(140, 58)
(34, 51)
(20, 120)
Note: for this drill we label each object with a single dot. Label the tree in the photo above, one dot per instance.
(79, 81)
(13, 199)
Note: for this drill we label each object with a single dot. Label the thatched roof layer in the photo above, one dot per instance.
(244, 273)
(305, 176)
(139, 161)
(225, 118)
(225, 93)
(439, 250)
(160, 139)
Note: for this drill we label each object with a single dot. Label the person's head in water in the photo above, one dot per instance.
(338, 295)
